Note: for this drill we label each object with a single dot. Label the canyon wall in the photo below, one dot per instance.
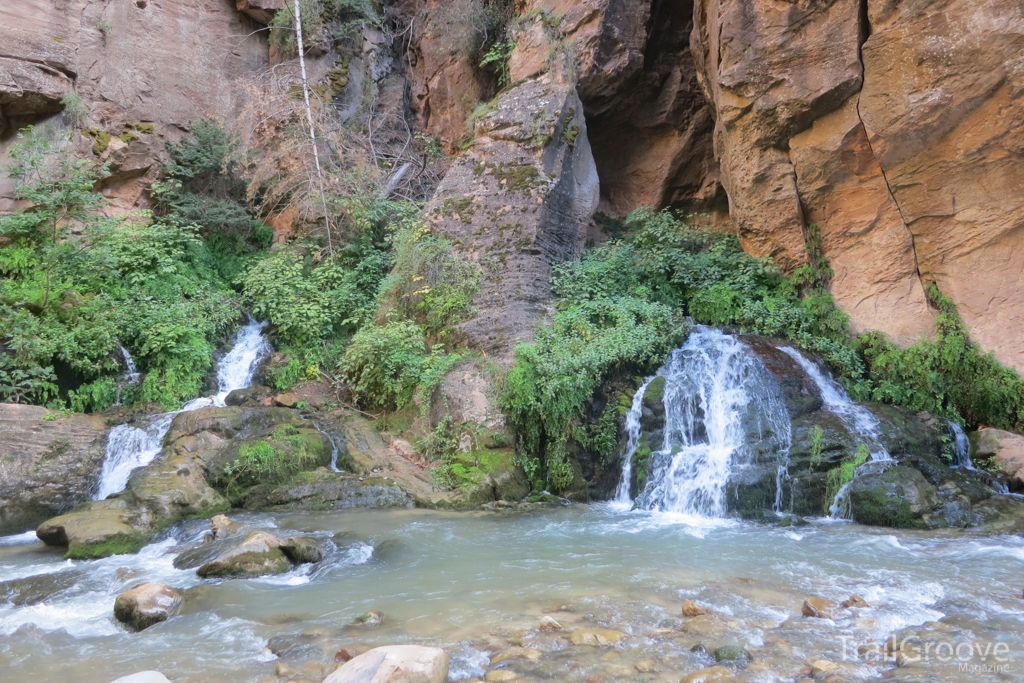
(894, 126)
(143, 70)
(897, 127)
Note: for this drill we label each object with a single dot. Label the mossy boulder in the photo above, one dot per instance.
(259, 554)
(97, 529)
(897, 497)
(325, 490)
(302, 549)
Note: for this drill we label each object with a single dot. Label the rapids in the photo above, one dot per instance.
(475, 583)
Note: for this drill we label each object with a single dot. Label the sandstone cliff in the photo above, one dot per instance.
(893, 125)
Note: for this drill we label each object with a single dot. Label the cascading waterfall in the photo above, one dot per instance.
(130, 377)
(961, 447)
(717, 396)
(622, 497)
(129, 448)
(857, 419)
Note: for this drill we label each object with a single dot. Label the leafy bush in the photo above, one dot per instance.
(383, 363)
(430, 284)
(263, 462)
(948, 376)
(70, 298)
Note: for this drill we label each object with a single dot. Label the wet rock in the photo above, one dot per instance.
(500, 676)
(259, 554)
(146, 605)
(302, 549)
(326, 490)
(345, 654)
(855, 601)
(1004, 449)
(32, 590)
(646, 666)
(898, 497)
(713, 674)
(692, 609)
(596, 636)
(733, 654)
(47, 466)
(515, 652)
(221, 526)
(102, 528)
(394, 664)
(371, 619)
(818, 608)
(286, 400)
(143, 677)
(822, 667)
(549, 623)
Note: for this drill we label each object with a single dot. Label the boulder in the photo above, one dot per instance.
(596, 636)
(102, 528)
(855, 601)
(692, 609)
(733, 654)
(143, 677)
(221, 526)
(49, 463)
(146, 605)
(302, 549)
(549, 623)
(394, 664)
(323, 490)
(897, 497)
(259, 554)
(818, 608)
(1004, 449)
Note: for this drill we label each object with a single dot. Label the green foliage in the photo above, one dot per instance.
(816, 445)
(340, 19)
(384, 363)
(604, 323)
(948, 376)
(76, 111)
(840, 476)
(272, 461)
(496, 60)
(76, 284)
(430, 284)
(203, 188)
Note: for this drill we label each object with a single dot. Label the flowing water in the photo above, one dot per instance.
(961, 447)
(632, 427)
(130, 377)
(476, 583)
(130, 447)
(719, 402)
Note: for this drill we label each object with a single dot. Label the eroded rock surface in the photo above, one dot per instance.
(48, 463)
(895, 128)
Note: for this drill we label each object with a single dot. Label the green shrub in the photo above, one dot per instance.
(383, 363)
(263, 463)
(430, 283)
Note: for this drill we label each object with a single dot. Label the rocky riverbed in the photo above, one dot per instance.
(572, 594)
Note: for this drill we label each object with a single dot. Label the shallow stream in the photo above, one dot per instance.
(478, 583)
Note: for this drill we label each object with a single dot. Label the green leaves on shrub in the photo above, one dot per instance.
(383, 363)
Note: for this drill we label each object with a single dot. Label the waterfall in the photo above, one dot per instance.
(855, 417)
(129, 448)
(622, 497)
(130, 377)
(961, 446)
(718, 400)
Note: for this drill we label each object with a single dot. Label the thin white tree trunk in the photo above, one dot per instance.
(309, 116)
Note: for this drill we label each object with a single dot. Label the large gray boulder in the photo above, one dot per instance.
(258, 555)
(395, 664)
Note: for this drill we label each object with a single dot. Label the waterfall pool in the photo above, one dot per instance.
(477, 583)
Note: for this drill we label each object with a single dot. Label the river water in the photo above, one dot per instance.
(478, 582)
